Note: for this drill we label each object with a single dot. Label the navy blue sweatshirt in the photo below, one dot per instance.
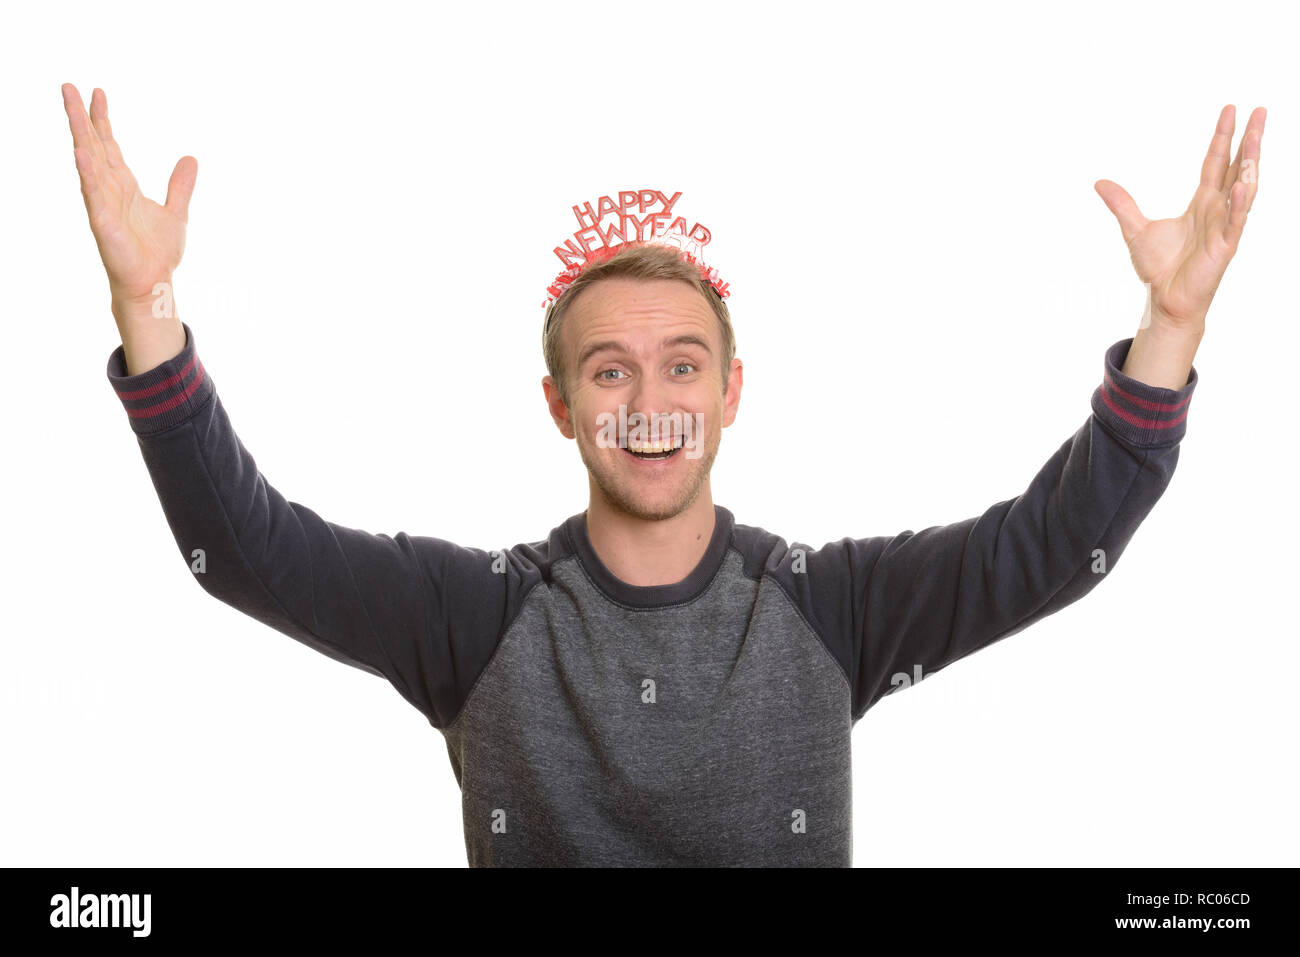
(592, 722)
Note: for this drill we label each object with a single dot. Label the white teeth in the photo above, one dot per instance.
(653, 447)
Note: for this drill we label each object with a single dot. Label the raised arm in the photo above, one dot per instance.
(895, 607)
(904, 606)
(421, 612)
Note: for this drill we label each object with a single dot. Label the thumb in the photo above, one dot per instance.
(1121, 204)
(181, 186)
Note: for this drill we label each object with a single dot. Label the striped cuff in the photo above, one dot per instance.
(167, 394)
(1143, 415)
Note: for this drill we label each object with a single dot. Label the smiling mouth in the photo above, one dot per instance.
(655, 453)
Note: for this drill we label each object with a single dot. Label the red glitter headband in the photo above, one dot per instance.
(636, 226)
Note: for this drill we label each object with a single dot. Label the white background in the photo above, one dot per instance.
(924, 284)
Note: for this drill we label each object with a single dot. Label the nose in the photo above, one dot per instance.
(651, 395)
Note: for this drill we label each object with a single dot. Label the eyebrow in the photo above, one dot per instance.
(609, 345)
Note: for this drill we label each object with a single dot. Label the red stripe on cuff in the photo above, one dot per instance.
(160, 407)
(1132, 419)
(160, 386)
(1145, 403)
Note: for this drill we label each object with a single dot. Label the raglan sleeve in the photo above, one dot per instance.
(891, 605)
(415, 610)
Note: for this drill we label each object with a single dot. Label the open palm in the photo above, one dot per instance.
(140, 242)
(1183, 259)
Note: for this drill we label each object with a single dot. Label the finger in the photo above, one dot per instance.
(1250, 141)
(1236, 216)
(1233, 171)
(90, 190)
(1216, 160)
(181, 186)
(1119, 202)
(1254, 130)
(99, 119)
(83, 134)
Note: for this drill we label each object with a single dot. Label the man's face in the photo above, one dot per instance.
(653, 347)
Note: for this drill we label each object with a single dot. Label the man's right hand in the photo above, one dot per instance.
(140, 242)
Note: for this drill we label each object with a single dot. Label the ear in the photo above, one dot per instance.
(555, 405)
(731, 401)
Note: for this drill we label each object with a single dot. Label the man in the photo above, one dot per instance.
(654, 683)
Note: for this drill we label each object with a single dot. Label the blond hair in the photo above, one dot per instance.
(633, 261)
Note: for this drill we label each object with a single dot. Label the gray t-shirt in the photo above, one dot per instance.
(706, 723)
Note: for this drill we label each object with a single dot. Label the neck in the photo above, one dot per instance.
(659, 552)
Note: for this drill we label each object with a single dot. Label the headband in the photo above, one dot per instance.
(634, 225)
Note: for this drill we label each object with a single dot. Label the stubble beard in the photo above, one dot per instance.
(630, 497)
